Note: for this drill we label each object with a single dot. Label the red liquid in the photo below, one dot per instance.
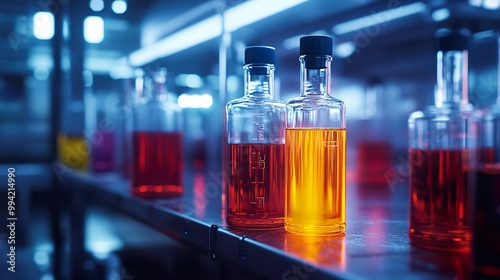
(157, 164)
(486, 155)
(374, 160)
(440, 202)
(255, 194)
(487, 220)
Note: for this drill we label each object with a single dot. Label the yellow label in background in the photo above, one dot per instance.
(73, 152)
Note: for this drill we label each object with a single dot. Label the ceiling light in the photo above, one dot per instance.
(345, 49)
(93, 29)
(119, 6)
(440, 15)
(476, 3)
(189, 80)
(96, 5)
(43, 25)
(378, 18)
(491, 4)
(235, 18)
(195, 100)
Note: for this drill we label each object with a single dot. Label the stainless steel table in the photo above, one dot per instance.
(375, 245)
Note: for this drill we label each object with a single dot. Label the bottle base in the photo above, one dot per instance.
(455, 239)
(157, 191)
(316, 230)
(254, 223)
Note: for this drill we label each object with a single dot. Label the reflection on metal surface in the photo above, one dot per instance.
(319, 250)
(199, 200)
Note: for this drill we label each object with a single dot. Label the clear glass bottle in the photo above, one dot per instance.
(487, 196)
(315, 141)
(255, 152)
(441, 148)
(158, 162)
(102, 133)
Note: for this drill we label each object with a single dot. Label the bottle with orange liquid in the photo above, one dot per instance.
(158, 163)
(255, 155)
(487, 196)
(442, 141)
(315, 147)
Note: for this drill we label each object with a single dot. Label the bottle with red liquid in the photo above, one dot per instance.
(442, 141)
(487, 199)
(255, 155)
(157, 155)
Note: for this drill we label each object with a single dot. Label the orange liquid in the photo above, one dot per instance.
(315, 181)
(440, 202)
(255, 186)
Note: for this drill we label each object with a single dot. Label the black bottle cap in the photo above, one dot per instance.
(316, 45)
(260, 54)
(453, 40)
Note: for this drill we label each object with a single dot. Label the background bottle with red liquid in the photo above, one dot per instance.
(157, 167)
(486, 247)
(441, 155)
(255, 152)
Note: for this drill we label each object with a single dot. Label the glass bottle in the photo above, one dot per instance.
(315, 141)
(158, 163)
(103, 132)
(73, 147)
(441, 147)
(255, 152)
(487, 196)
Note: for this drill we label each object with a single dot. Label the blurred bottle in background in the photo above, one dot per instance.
(101, 131)
(73, 149)
(442, 146)
(157, 157)
(133, 95)
(487, 205)
(374, 155)
(255, 138)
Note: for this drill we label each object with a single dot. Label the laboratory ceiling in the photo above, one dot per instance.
(148, 21)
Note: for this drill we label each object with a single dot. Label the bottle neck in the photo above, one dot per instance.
(259, 80)
(315, 73)
(155, 88)
(452, 79)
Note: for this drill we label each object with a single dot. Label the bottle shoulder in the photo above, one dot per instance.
(463, 111)
(315, 101)
(246, 102)
(490, 113)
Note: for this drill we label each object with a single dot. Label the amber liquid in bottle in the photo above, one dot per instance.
(315, 176)
(440, 200)
(255, 185)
